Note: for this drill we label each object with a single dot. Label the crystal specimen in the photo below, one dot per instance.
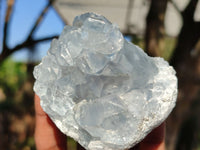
(101, 90)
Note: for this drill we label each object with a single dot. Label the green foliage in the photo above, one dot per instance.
(170, 44)
(71, 144)
(28, 144)
(12, 76)
(138, 41)
(16, 106)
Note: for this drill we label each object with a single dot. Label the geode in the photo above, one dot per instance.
(102, 90)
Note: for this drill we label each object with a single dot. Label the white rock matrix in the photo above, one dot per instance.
(101, 90)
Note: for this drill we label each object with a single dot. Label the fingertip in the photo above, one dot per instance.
(47, 135)
(38, 108)
(154, 140)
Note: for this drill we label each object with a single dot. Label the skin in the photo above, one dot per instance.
(49, 137)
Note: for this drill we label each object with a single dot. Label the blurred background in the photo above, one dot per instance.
(165, 28)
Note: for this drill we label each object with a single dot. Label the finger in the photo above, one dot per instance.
(154, 140)
(47, 135)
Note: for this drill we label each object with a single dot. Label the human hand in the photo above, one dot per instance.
(154, 140)
(49, 137)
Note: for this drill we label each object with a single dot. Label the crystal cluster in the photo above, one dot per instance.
(101, 90)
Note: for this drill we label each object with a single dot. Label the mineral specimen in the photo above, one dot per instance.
(101, 90)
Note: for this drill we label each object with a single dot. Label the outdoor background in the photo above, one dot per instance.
(165, 28)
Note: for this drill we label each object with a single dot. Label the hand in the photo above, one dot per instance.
(49, 137)
(154, 140)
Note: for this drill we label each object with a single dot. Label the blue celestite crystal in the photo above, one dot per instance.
(101, 90)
